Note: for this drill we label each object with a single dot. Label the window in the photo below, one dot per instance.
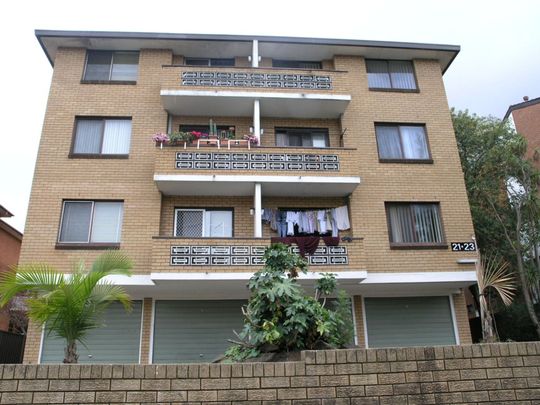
(391, 74)
(196, 223)
(91, 222)
(111, 66)
(414, 224)
(402, 142)
(102, 136)
(296, 64)
(210, 61)
(302, 137)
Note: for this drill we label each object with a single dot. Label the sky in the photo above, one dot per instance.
(499, 62)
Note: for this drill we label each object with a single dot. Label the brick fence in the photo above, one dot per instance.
(496, 373)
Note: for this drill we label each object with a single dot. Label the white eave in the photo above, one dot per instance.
(243, 185)
(240, 103)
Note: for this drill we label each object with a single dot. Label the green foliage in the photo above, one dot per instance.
(343, 320)
(70, 305)
(279, 315)
(179, 136)
(513, 323)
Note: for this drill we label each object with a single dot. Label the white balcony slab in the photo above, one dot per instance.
(240, 103)
(234, 185)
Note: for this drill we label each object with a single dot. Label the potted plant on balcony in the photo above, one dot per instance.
(179, 137)
(160, 138)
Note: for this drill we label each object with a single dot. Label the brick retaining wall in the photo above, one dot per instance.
(497, 373)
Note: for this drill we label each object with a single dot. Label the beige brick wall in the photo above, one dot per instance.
(148, 214)
(504, 373)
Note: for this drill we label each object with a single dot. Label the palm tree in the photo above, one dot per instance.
(493, 274)
(69, 305)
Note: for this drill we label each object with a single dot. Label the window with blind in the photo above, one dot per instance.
(391, 74)
(225, 62)
(91, 222)
(302, 137)
(111, 66)
(102, 136)
(197, 223)
(414, 224)
(296, 64)
(402, 142)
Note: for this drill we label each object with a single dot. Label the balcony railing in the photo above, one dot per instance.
(248, 78)
(257, 160)
(246, 255)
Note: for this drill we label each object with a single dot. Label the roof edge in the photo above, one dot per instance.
(521, 105)
(41, 33)
(11, 230)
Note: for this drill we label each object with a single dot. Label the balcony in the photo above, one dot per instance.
(327, 172)
(295, 93)
(185, 266)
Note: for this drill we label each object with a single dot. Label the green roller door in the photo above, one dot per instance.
(409, 321)
(194, 331)
(116, 342)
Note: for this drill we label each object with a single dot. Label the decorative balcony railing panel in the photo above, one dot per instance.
(245, 255)
(264, 160)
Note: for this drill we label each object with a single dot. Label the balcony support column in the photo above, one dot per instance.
(257, 120)
(255, 54)
(257, 216)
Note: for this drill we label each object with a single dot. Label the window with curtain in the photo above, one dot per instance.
(296, 64)
(302, 137)
(102, 136)
(91, 222)
(391, 74)
(198, 223)
(225, 62)
(402, 142)
(414, 223)
(111, 66)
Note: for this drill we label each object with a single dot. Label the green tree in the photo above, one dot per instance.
(502, 186)
(69, 305)
(281, 317)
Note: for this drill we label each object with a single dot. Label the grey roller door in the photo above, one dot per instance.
(194, 331)
(409, 321)
(117, 342)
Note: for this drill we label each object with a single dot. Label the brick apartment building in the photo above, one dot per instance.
(525, 118)
(354, 144)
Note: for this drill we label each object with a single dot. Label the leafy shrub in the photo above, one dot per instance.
(280, 317)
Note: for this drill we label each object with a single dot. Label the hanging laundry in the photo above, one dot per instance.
(341, 215)
(292, 219)
(321, 220)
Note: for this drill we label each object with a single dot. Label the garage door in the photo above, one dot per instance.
(117, 342)
(409, 321)
(194, 331)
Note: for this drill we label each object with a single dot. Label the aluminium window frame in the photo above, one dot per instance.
(86, 245)
(392, 88)
(415, 245)
(74, 155)
(109, 81)
(204, 210)
(428, 160)
(209, 60)
(297, 61)
(286, 129)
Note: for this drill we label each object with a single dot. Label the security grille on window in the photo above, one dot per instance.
(296, 64)
(111, 66)
(390, 74)
(210, 61)
(91, 222)
(102, 136)
(302, 137)
(195, 223)
(402, 142)
(414, 223)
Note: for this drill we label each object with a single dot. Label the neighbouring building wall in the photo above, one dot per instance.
(527, 123)
(10, 248)
(488, 373)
